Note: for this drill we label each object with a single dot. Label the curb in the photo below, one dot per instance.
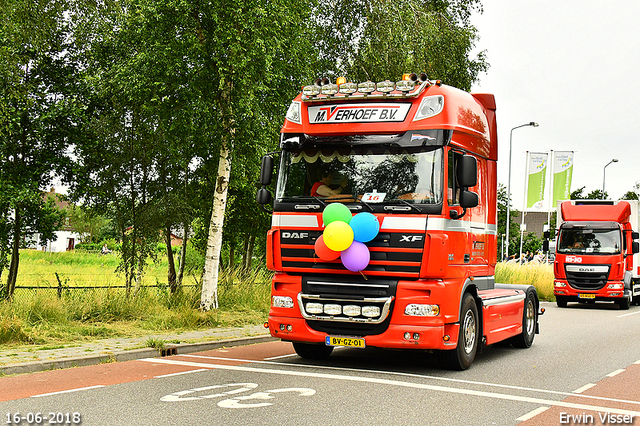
(174, 349)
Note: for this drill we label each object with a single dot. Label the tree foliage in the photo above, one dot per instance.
(38, 120)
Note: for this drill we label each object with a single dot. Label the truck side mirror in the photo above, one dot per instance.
(263, 196)
(266, 170)
(635, 247)
(635, 235)
(545, 245)
(467, 172)
(468, 199)
(546, 235)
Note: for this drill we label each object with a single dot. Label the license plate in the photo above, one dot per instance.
(353, 342)
(587, 296)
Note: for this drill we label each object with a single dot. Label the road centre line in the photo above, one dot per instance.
(67, 391)
(538, 401)
(532, 414)
(419, 376)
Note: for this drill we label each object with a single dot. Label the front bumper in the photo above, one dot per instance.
(428, 337)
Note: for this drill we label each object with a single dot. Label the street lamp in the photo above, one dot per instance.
(533, 124)
(604, 171)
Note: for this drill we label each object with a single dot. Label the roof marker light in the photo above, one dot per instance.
(341, 80)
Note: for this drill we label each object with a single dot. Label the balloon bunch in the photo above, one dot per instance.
(344, 236)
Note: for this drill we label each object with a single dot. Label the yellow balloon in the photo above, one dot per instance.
(338, 235)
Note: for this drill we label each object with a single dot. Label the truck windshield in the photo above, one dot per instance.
(375, 175)
(582, 240)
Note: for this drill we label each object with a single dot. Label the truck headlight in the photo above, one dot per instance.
(282, 302)
(615, 286)
(559, 284)
(418, 310)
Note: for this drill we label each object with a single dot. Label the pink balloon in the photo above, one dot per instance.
(356, 257)
(324, 252)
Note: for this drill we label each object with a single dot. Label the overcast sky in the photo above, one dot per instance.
(573, 67)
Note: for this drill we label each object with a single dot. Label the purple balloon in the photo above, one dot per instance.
(356, 257)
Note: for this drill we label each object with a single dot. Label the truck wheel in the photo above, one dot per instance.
(561, 302)
(623, 303)
(311, 351)
(463, 355)
(529, 320)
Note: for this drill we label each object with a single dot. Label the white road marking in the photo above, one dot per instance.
(420, 376)
(532, 414)
(584, 388)
(181, 373)
(538, 401)
(67, 391)
(615, 373)
(629, 314)
(281, 356)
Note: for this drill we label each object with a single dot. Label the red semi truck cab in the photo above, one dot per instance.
(596, 252)
(421, 157)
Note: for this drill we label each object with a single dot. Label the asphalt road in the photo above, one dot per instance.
(585, 362)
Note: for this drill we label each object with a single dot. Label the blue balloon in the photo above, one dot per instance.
(365, 227)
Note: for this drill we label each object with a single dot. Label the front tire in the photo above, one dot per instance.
(624, 303)
(561, 301)
(529, 321)
(463, 355)
(311, 351)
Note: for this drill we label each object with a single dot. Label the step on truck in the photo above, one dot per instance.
(415, 161)
(597, 252)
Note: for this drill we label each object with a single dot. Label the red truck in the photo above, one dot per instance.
(419, 158)
(596, 252)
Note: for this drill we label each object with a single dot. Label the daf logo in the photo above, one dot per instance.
(582, 269)
(410, 238)
(295, 235)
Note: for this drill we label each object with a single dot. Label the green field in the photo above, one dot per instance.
(40, 317)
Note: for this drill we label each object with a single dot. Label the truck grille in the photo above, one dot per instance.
(372, 301)
(587, 277)
(392, 254)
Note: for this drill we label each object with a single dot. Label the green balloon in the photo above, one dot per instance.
(334, 212)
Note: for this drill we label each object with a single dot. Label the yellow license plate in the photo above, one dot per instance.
(353, 342)
(587, 296)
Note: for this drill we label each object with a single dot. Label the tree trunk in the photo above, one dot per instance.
(252, 244)
(183, 254)
(171, 269)
(209, 296)
(15, 255)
